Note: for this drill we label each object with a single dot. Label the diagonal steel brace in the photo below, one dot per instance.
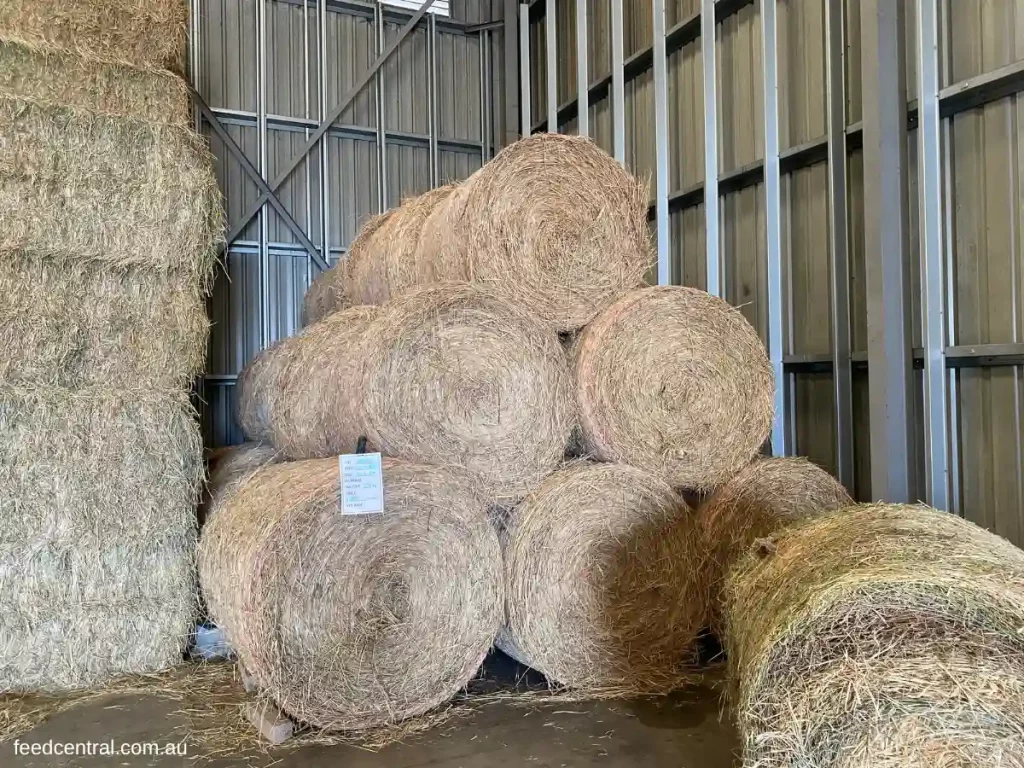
(268, 194)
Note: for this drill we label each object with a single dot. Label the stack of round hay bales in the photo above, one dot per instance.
(350, 622)
(109, 215)
(676, 381)
(880, 636)
(448, 374)
(764, 496)
(604, 588)
(553, 223)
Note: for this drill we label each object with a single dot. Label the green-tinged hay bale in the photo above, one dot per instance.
(764, 496)
(676, 381)
(79, 616)
(229, 466)
(142, 33)
(354, 621)
(303, 394)
(603, 586)
(883, 636)
(330, 292)
(86, 324)
(89, 467)
(554, 223)
(386, 265)
(459, 375)
(60, 79)
(83, 187)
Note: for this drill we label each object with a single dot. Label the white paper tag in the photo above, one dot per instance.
(362, 484)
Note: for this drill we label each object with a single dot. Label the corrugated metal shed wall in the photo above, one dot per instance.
(986, 172)
(244, 47)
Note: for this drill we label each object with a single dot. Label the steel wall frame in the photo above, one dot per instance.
(317, 127)
(932, 112)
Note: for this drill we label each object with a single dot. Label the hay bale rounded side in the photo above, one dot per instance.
(226, 467)
(603, 586)
(355, 621)
(878, 634)
(142, 33)
(554, 223)
(764, 496)
(86, 324)
(316, 407)
(386, 266)
(61, 79)
(676, 381)
(78, 186)
(457, 375)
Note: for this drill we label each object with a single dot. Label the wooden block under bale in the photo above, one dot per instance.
(267, 718)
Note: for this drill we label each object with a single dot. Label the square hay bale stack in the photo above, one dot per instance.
(79, 186)
(97, 533)
(85, 325)
(144, 33)
(62, 79)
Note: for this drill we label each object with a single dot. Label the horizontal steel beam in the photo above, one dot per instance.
(978, 91)
(963, 356)
(364, 8)
(344, 131)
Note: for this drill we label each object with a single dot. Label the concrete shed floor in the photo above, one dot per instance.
(685, 730)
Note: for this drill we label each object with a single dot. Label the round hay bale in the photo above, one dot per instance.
(554, 223)
(354, 621)
(86, 324)
(318, 410)
(603, 586)
(879, 635)
(77, 186)
(326, 294)
(459, 375)
(142, 33)
(60, 79)
(386, 267)
(764, 496)
(228, 466)
(676, 381)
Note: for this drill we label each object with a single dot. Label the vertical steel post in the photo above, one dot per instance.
(551, 51)
(582, 71)
(929, 163)
(886, 245)
(325, 166)
(488, 96)
(661, 143)
(510, 49)
(524, 68)
(618, 85)
(481, 43)
(711, 234)
(306, 114)
(195, 31)
(842, 372)
(435, 170)
(382, 150)
(773, 222)
(266, 332)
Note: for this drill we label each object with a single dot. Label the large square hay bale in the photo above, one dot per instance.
(78, 616)
(81, 186)
(62, 79)
(88, 467)
(145, 33)
(79, 325)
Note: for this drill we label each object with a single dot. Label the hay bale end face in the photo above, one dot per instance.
(141, 33)
(458, 375)
(879, 635)
(355, 621)
(676, 381)
(85, 324)
(554, 223)
(604, 589)
(761, 498)
(84, 187)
